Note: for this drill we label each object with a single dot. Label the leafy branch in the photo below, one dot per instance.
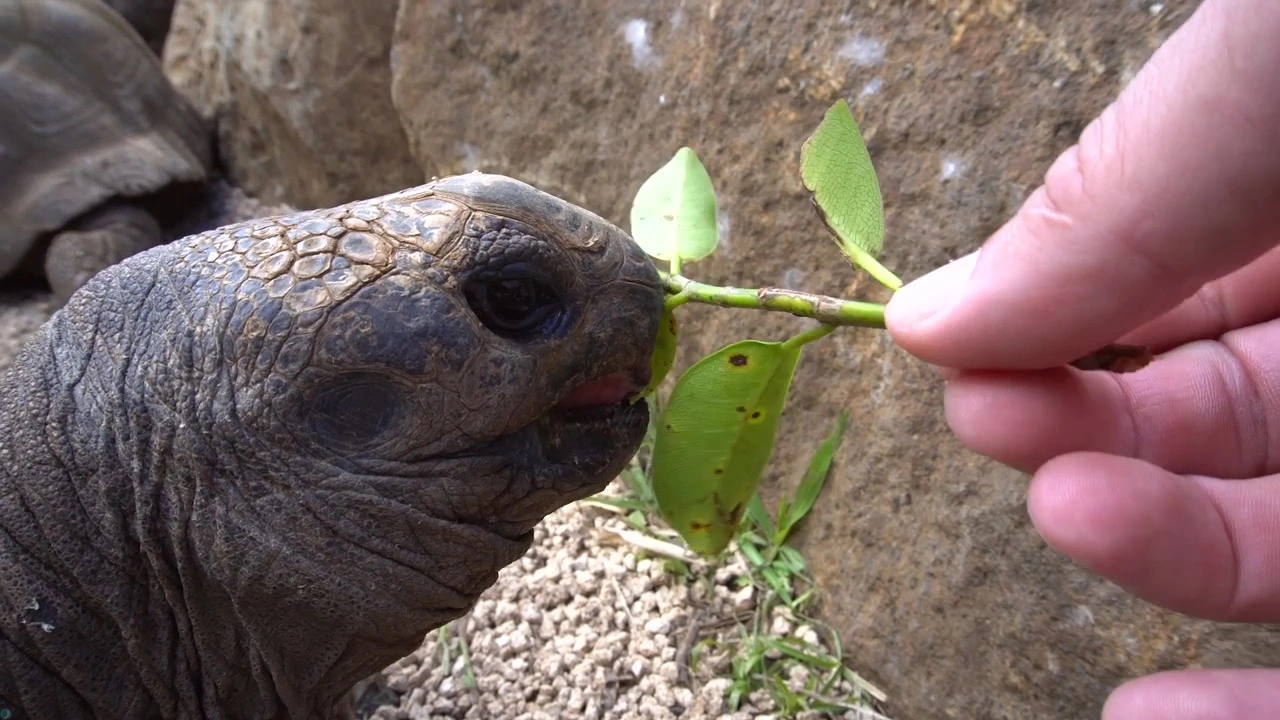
(718, 427)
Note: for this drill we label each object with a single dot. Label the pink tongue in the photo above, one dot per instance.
(611, 389)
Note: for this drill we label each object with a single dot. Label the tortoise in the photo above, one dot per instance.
(98, 150)
(243, 471)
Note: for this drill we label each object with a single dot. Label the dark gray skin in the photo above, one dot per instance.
(243, 471)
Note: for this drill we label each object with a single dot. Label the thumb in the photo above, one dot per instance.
(1174, 185)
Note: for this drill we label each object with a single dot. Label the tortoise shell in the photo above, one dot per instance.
(86, 115)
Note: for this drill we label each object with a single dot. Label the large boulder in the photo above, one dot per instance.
(300, 93)
(928, 565)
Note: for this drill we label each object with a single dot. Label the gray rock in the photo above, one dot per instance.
(300, 93)
(927, 562)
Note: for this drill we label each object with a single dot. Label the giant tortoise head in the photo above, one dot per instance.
(322, 435)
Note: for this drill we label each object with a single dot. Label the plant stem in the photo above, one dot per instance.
(808, 336)
(867, 262)
(675, 301)
(824, 309)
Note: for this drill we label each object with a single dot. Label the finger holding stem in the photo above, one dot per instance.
(836, 312)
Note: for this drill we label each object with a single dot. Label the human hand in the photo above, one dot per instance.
(1161, 226)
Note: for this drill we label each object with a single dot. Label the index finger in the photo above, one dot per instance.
(1175, 184)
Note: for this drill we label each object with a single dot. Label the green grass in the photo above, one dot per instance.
(452, 642)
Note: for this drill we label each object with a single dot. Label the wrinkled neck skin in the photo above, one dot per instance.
(152, 565)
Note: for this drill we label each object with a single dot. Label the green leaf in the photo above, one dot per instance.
(664, 352)
(676, 567)
(637, 520)
(796, 649)
(752, 554)
(639, 487)
(673, 216)
(792, 560)
(759, 515)
(815, 477)
(775, 579)
(715, 437)
(784, 521)
(836, 167)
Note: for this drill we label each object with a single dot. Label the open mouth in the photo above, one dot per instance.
(583, 442)
(598, 423)
(604, 396)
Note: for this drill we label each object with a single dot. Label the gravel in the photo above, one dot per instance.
(582, 628)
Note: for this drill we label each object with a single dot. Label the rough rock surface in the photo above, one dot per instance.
(300, 92)
(944, 594)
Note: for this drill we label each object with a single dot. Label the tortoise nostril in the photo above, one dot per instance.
(357, 409)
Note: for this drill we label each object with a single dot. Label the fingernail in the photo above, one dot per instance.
(925, 297)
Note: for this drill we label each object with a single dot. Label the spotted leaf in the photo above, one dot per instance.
(715, 437)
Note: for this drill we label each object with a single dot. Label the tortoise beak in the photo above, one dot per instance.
(590, 434)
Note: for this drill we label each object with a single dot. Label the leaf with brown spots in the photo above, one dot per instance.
(716, 436)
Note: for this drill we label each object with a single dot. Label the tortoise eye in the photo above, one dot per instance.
(515, 302)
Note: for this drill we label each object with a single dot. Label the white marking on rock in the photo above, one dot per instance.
(722, 227)
(862, 51)
(636, 32)
(792, 278)
(1082, 615)
(871, 88)
(953, 167)
(884, 378)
